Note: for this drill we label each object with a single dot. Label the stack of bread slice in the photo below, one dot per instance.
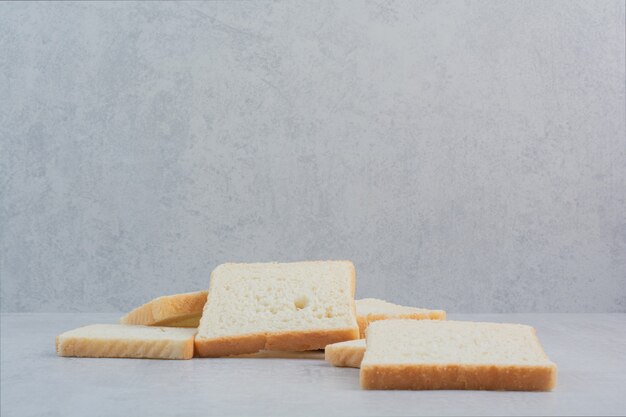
(297, 306)
(292, 310)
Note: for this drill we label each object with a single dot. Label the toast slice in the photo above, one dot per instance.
(345, 354)
(429, 355)
(372, 309)
(124, 341)
(277, 306)
(179, 310)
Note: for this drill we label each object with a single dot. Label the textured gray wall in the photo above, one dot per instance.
(465, 155)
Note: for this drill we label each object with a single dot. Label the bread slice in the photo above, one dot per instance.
(372, 309)
(277, 306)
(345, 354)
(179, 310)
(425, 355)
(124, 341)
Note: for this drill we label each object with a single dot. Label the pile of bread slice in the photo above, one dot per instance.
(307, 306)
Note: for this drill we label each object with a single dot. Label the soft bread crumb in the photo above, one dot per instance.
(278, 306)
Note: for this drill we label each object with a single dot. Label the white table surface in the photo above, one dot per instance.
(589, 349)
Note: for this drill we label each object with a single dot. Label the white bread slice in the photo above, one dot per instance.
(425, 354)
(277, 306)
(372, 309)
(124, 341)
(179, 310)
(345, 354)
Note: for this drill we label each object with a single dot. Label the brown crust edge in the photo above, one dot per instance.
(458, 377)
(286, 341)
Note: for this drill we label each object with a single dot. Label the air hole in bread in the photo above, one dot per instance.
(301, 302)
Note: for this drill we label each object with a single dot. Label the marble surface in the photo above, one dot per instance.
(588, 349)
(472, 147)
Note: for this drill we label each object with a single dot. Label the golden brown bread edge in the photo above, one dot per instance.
(280, 354)
(295, 341)
(284, 341)
(458, 377)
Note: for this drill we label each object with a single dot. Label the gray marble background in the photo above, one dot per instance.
(469, 156)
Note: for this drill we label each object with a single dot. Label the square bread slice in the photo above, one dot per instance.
(427, 355)
(124, 341)
(345, 354)
(373, 309)
(178, 310)
(277, 306)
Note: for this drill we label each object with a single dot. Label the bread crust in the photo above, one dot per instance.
(158, 349)
(179, 310)
(344, 356)
(286, 341)
(458, 377)
(365, 320)
(279, 354)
